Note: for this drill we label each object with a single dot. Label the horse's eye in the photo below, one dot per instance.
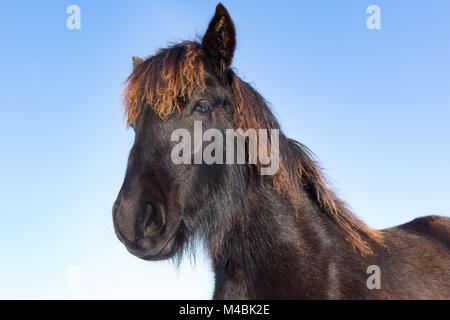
(202, 108)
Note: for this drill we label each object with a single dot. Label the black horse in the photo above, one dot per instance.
(281, 236)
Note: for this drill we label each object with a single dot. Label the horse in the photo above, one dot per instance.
(280, 236)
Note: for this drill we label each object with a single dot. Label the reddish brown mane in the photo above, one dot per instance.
(169, 77)
(161, 81)
(298, 169)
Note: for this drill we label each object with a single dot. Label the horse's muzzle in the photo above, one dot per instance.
(147, 229)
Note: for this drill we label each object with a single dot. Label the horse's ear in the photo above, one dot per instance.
(219, 40)
(136, 61)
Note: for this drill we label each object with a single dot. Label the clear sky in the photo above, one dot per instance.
(373, 105)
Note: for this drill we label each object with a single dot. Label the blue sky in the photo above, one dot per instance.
(373, 105)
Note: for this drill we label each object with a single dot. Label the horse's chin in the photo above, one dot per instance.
(168, 251)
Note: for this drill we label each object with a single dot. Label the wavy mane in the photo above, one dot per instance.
(168, 78)
(163, 80)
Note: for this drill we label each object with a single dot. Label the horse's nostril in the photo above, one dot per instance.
(154, 223)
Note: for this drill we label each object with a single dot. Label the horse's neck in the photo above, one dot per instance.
(267, 252)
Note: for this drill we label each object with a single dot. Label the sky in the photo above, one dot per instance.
(373, 105)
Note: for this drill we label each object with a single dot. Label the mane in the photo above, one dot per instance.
(168, 78)
(163, 80)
